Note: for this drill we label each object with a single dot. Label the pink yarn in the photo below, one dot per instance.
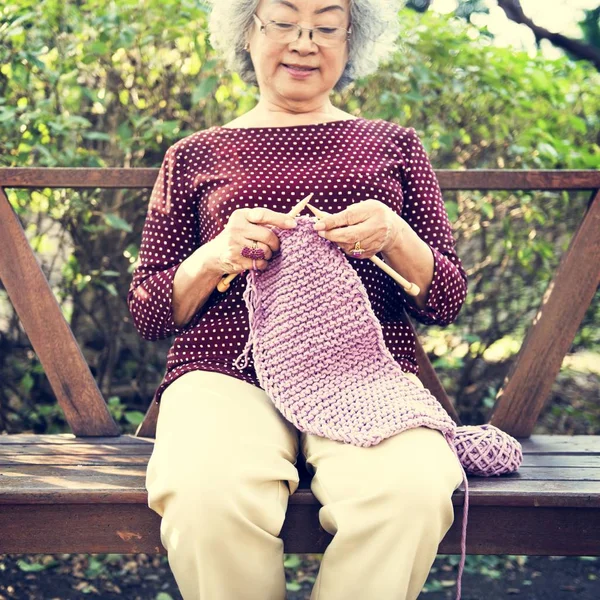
(486, 450)
(320, 356)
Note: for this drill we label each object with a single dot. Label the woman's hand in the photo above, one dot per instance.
(371, 222)
(246, 225)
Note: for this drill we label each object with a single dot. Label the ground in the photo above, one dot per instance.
(145, 577)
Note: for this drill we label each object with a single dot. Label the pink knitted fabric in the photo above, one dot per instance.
(320, 355)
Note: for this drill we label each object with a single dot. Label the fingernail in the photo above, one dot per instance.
(291, 223)
(319, 226)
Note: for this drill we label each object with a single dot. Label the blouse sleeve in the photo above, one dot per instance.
(423, 209)
(169, 236)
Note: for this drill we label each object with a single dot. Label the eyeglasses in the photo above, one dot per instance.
(285, 33)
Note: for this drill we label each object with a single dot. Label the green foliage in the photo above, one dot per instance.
(93, 85)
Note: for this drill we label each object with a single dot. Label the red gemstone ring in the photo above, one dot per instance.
(255, 252)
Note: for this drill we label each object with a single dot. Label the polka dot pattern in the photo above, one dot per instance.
(204, 177)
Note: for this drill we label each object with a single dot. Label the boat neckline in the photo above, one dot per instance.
(286, 127)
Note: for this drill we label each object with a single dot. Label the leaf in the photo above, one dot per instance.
(447, 140)
(292, 561)
(27, 382)
(30, 568)
(117, 222)
(131, 252)
(124, 131)
(452, 210)
(547, 150)
(96, 135)
(7, 114)
(204, 89)
(109, 287)
(135, 417)
(488, 210)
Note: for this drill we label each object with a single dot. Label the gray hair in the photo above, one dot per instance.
(374, 38)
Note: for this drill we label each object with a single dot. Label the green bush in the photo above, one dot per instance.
(93, 85)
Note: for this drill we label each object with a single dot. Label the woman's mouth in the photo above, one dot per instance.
(298, 72)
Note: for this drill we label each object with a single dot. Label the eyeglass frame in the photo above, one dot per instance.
(300, 29)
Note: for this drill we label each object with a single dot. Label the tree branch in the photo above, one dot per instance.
(580, 49)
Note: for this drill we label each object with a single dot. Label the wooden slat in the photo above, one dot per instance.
(532, 464)
(64, 177)
(75, 450)
(532, 531)
(88, 528)
(561, 444)
(560, 460)
(581, 451)
(133, 527)
(518, 179)
(550, 474)
(50, 335)
(549, 486)
(449, 179)
(68, 438)
(536, 444)
(529, 382)
(85, 460)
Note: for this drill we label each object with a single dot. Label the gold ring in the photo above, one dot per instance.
(357, 250)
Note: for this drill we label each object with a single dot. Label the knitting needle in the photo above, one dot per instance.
(412, 289)
(223, 285)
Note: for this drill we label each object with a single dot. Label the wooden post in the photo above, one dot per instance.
(49, 333)
(529, 382)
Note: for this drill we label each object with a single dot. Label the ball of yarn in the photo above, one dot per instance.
(486, 450)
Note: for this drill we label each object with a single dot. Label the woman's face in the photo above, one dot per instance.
(270, 56)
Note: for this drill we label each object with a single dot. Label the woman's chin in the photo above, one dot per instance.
(299, 90)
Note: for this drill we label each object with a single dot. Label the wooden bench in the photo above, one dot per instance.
(84, 492)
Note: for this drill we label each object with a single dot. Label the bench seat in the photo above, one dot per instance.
(61, 493)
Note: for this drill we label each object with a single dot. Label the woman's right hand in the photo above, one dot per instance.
(245, 225)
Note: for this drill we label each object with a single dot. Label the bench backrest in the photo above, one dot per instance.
(518, 402)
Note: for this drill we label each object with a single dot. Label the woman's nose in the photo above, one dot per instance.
(304, 41)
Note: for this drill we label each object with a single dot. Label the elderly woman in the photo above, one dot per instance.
(223, 464)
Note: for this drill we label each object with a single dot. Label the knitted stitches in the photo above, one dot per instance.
(319, 351)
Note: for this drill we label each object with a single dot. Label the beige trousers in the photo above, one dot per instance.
(221, 473)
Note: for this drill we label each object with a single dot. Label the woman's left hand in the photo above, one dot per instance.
(370, 222)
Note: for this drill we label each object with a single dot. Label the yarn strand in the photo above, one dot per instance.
(463, 538)
(252, 298)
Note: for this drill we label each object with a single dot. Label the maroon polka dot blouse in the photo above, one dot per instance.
(205, 176)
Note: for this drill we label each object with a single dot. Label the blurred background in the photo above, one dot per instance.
(486, 83)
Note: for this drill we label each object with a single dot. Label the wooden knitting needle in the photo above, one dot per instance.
(223, 285)
(412, 289)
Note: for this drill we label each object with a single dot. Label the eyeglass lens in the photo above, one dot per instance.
(290, 32)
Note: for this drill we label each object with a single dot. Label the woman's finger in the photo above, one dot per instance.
(265, 216)
(262, 233)
(348, 235)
